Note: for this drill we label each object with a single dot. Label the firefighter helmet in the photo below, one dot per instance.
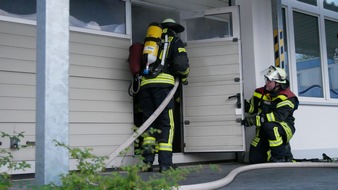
(170, 23)
(276, 74)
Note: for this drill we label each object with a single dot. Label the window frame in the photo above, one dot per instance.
(322, 14)
(79, 29)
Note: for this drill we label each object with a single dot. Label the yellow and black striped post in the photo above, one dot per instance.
(279, 48)
(277, 22)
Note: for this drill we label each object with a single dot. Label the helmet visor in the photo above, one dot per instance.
(273, 75)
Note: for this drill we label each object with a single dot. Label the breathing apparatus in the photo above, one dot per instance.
(152, 43)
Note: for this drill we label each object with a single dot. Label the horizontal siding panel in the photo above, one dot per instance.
(204, 79)
(221, 148)
(99, 84)
(17, 78)
(100, 95)
(17, 53)
(13, 40)
(85, 38)
(17, 65)
(211, 130)
(100, 106)
(101, 117)
(97, 140)
(215, 60)
(17, 91)
(106, 150)
(95, 72)
(96, 50)
(12, 103)
(17, 28)
(12, 128)
(214, 141)
(24, 154)
(205, 101)
(96, 61)
(212, 50)
(209, 110)
(212, 90)
(17, 116)
(100, 128)
(209, 118)
(214, 70)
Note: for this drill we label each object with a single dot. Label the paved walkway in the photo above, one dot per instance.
(260, 179)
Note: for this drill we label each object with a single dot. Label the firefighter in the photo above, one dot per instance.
(271, 108)
(155, 86)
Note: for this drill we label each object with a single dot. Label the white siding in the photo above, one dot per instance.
(100, 107)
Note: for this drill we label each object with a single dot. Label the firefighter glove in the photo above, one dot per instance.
(249, 121)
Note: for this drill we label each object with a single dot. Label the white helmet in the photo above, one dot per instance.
(170, 23)
(276, 74)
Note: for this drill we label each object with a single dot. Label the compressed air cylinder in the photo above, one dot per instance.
(151, 44)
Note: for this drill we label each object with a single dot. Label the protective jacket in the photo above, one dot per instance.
(175, 65)
(273, 107)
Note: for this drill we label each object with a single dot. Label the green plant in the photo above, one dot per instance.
(6, 160)
(90, 176)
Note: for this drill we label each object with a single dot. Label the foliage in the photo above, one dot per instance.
(6, 161)
(90, 176)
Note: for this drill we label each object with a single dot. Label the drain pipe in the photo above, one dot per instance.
(228, 179)
(144, 126)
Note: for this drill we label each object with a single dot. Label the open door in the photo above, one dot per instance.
(212, 99)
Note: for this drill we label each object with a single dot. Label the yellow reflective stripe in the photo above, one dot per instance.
(172, 126)
(285, 103)
(185, 72)
(259, 95)
(251, 109)
(149, 140)
(287, 130)
(258, 121)
(278, 141)
(165, 147)
(281, 96)
(255, 141)
(268, 155)
(180, 50)
(162, 78)
(270, 116)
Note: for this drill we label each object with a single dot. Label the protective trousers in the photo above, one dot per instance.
(159, 135)
(271, 143)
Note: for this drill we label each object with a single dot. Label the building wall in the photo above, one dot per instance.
(316, 124)
(100, 108)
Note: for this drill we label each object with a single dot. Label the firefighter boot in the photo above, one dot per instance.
(278, 154)
(288, 153)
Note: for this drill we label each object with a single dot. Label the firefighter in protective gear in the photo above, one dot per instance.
(272, 106)
(155, 88)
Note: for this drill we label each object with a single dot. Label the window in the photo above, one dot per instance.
(216, 26)
(104, 15)
(311, 2)
(308, 60)
(331, 5)
(331, 32)
(141, 19)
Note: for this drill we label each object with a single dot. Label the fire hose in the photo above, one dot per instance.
(228, 179)
(144, 126)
